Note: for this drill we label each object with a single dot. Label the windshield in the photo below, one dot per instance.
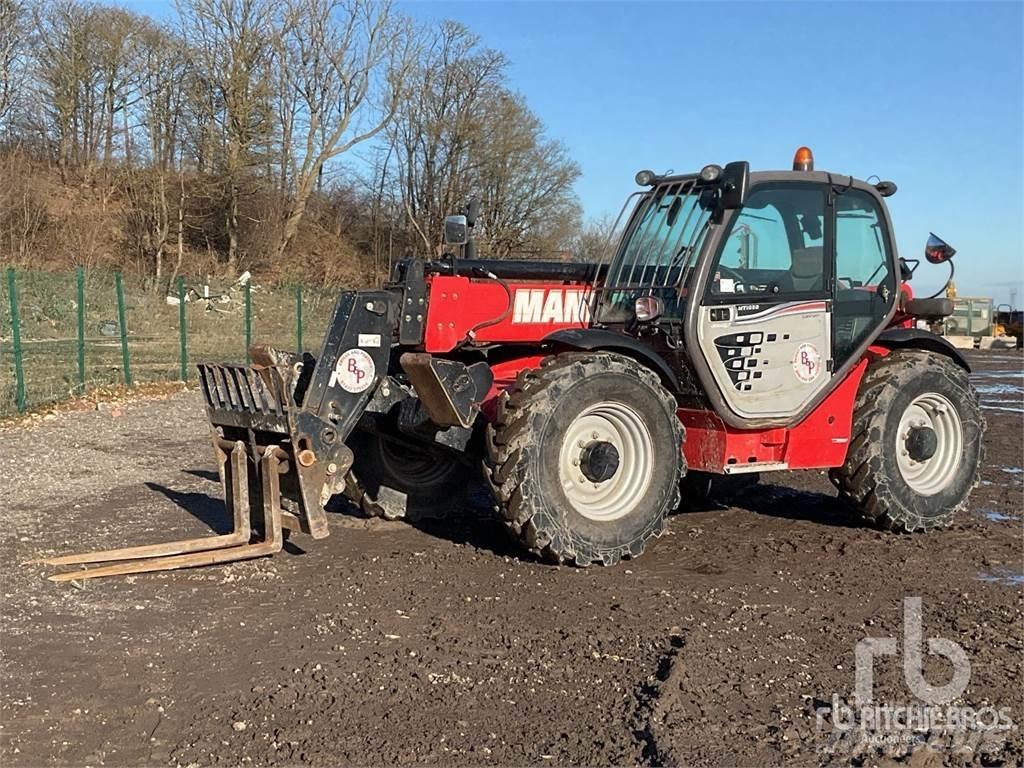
(659, 245)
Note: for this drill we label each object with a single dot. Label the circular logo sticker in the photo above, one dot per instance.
(353, 371)
(807, 363)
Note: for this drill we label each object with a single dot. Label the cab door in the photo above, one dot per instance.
(865, 273)
(764, 325)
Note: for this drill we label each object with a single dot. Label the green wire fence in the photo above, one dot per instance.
(62, 334)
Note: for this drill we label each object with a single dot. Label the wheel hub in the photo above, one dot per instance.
(921, 443)
(599, 461)
(929, 443)
(606, 461)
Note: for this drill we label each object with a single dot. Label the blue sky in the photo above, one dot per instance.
(930, 95)
(926, 94)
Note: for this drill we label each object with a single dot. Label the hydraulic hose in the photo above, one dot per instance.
(471, 333)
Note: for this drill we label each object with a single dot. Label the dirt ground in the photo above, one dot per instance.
(390, 644)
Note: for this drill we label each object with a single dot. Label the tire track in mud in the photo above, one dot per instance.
(654, 702)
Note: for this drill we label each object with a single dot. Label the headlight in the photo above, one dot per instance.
(645, 178)
(648, 308)
(710, 173)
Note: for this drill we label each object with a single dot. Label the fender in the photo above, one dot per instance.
(916, 338)
(594, 339)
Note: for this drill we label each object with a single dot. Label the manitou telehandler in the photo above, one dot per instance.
(747, 322)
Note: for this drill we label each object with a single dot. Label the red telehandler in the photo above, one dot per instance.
(747, 322)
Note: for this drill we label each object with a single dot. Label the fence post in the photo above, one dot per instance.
(19, 369)
(182, 333)
(248, 321)
(119, 288)
(298, 319)
(80, 290)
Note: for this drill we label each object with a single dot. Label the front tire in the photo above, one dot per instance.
(585, 459)
(916, 447)
(397, 480)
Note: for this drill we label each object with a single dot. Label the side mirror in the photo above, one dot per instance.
(734, 182)
(456, 230)
(938, 250)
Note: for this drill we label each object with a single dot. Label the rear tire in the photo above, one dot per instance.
(396, 480)
(916, 447)
(585, 459)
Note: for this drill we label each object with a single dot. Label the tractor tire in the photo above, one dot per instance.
(585, 457)
(396, 480)
(916, 444)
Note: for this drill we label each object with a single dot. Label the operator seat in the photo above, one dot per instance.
(807, 271)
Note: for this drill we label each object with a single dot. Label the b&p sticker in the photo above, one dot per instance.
(807, 363)
(354, 371)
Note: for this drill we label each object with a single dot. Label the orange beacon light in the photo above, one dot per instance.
(803, 160)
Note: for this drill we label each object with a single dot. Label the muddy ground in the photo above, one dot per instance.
(389, 644)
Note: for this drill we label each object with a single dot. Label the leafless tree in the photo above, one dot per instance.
(13, 50)
(437, 124)
(61, 63)
(525, 183)
(462, 132)
(317, 135)
(348, 64)
(230, 42)
(594, 240)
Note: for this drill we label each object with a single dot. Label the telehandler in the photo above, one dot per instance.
(747, 322)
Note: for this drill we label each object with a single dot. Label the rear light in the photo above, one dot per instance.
(803, 160)
(648, 308)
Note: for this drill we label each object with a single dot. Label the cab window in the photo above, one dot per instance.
(865, 280)
(775, 245)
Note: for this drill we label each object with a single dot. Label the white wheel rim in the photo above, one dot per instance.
(624, 428)
(936, 412)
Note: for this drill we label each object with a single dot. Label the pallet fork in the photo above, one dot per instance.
(279, 428)
(250, 538)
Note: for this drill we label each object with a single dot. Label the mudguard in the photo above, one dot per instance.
(599, 339)
(917, 338)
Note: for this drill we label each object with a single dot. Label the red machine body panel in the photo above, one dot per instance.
(461, 308)
(819, 441)
(504, 376)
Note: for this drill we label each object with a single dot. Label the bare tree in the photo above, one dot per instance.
(227, 135)
(61, 66)
(348, 63)
(594, 240)
(13, 50)
(163, 72)
(452, 85)
(525, 183)
(116, 33)
(231, 45)
(462, 132)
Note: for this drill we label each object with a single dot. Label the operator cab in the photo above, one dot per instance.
(773, 282)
